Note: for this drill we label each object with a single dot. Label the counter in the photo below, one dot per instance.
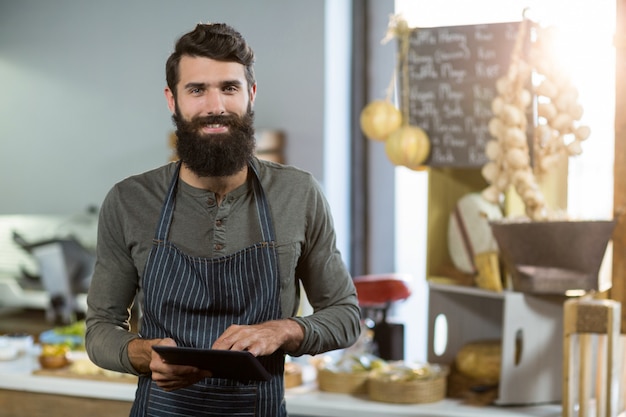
(25, 394)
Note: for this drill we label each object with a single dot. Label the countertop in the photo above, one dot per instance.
(305, 400)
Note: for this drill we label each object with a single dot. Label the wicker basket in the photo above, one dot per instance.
(342, 382)
(408, 392)
(292, 375)
(403, 383)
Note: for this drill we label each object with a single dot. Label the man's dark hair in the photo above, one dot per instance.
(217, 41)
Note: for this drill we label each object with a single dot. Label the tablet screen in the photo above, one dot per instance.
(228, 364)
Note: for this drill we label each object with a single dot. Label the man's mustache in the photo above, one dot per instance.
(226, 120)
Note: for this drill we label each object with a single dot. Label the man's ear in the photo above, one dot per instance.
(252, 94)
(171, 100)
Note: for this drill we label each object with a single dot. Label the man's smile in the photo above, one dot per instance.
(214, 128)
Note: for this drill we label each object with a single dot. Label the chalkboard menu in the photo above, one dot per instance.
(452, 73)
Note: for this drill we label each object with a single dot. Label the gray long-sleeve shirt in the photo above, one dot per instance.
(306, 247)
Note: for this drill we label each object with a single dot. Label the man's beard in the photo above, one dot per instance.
(215, 155)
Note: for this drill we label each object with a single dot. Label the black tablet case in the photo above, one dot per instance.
(227, 364)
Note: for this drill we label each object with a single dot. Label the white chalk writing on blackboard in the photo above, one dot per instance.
(452, 76)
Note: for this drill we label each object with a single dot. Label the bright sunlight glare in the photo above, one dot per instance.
(584, 49)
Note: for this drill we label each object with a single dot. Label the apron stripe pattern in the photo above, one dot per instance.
(193, 300)
(197, 401)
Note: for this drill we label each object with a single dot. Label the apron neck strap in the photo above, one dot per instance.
(262, 206)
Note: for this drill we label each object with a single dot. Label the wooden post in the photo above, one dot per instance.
(586, 363)
(618, 291)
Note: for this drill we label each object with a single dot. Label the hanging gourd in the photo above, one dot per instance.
(408, 146)
(379, 119)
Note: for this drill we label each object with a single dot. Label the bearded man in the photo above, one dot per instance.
(217, 244)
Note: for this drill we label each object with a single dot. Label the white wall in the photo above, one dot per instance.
(337, 117)
(82, 104)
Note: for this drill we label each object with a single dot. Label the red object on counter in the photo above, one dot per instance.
(381, 289)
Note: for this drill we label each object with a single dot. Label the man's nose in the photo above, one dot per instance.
(214, 103)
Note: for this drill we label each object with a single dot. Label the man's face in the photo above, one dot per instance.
(213, 114)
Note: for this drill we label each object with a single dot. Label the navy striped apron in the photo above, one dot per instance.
(193, 300)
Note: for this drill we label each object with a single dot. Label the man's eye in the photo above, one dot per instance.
(196, 90)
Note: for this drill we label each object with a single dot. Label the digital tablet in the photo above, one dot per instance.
(227, 364)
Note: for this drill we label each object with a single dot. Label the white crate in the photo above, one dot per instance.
(535, 322)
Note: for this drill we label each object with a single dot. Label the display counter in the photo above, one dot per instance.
(23, 393)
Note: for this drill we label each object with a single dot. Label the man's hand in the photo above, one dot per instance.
(262, 339)
(167, 376)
